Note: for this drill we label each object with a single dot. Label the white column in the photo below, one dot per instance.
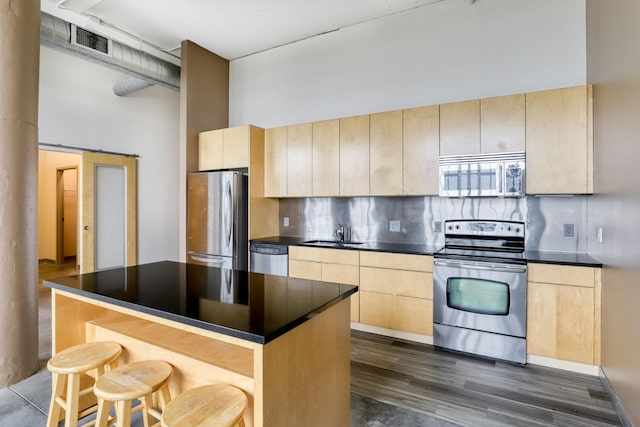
(19, 71)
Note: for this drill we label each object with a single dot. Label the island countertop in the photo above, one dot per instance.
(250, 306)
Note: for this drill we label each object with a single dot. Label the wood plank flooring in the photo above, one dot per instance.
(471, 391)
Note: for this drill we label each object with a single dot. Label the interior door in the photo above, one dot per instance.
(108, 184)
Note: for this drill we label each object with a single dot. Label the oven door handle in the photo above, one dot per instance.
(503, 268)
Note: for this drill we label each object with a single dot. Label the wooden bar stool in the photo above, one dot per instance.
(219, 405)
(137, 380)
(66, 368)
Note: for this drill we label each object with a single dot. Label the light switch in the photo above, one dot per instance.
(394, 226)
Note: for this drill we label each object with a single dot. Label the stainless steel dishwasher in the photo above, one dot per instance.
(269, 258)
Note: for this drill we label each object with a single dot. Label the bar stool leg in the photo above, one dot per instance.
(123, 413)
(57, 390)
(73, 390)
(103, 412)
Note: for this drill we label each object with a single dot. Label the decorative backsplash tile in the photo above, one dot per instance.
(369, 218)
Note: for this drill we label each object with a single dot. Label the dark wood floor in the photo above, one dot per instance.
(475, 392)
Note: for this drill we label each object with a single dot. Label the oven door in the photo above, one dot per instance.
(482, 296)
(483, 179)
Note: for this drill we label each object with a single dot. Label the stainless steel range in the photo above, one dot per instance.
(480, 290)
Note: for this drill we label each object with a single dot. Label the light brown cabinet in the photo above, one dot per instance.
(224, 148)
(460, 128)
(559, 145)
(421, 149)
(299, 162)
(502, 124)
(354, 156)
(385, 148)
(396, 291)
(275, 162)
(563, 312)
(327, 265)
(326, 158)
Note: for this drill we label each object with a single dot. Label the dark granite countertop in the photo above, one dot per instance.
(541, 257)
(251, 306)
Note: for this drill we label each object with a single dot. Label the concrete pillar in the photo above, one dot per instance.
(19, 71)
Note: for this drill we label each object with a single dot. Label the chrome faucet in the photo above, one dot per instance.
(340, 232)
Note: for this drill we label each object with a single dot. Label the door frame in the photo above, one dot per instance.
(60, 211)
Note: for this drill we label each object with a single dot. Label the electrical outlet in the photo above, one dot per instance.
(568, 230)
(600, 239)
(286, 221)
(394, 226)
(437, 226)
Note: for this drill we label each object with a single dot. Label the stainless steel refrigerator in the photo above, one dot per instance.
(217, 211)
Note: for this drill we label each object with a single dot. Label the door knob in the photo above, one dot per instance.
(86, 227)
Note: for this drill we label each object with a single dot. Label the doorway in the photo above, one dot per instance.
(66, 215)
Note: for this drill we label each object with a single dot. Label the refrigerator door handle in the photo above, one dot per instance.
(230, 213)
(208, 259)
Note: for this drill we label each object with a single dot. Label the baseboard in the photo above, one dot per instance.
(409, 336)
(624, 419)
(46, 261)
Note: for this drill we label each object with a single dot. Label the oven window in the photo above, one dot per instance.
(478, 296)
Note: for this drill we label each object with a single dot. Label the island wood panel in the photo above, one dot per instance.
(211, 150)
(560, 322)
(305, 374)
(385, 149)
(421, 150)
(502, 124)
(299, 160)
(326, 158)
(275, 162)
(263, 212)
(396, 261)
(236, 146)
(397, 312)
(354, 156)
(559, 141)
(397, 282)
(460, 128)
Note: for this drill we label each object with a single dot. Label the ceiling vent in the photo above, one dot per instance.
(89, 40)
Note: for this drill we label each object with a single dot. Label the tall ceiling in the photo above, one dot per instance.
(230, 28)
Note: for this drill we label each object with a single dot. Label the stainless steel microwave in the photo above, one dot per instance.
(483, 175)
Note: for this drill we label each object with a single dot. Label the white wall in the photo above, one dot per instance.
(444, 52)
(78, 108)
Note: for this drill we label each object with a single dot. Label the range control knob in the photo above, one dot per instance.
(517, 230)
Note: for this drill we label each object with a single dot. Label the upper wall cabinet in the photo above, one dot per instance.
(354, 156)
(385, 149)
(559, 142)
(224, 148)
(460, 128)
(326, 158)
(299, 162)
(502, 124)
(275, 162)
(421, 148)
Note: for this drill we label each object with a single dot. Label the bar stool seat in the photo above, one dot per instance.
(137, 380)
(219, 405)
(66, 368)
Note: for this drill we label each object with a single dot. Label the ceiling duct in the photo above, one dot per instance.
(61, 35)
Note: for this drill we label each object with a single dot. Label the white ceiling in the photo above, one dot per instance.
(229, 28)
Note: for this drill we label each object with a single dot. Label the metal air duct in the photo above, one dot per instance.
(61, 35)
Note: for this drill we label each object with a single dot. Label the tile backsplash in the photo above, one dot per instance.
(418, 217)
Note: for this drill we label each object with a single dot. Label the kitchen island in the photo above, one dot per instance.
(284, 341)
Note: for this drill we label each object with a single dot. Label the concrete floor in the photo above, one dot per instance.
(26, 404)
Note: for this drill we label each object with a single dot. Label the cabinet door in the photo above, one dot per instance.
(299, 169)
(305, 269)
(397, 282)
(396, 312)
(460, 128)
(385, 148)
(502, 124)
(211, 150)
(354, 156)
(236, 147)
(421, 149)
(275, 162)
(326, 158)
(559, 141)
(560, 322)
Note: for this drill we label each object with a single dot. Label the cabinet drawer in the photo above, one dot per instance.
(340, 256)
(305, 253)
(397, 282)
(338, 273)
(562, 275)
(305, 269)
(397, 261)
(396, 312)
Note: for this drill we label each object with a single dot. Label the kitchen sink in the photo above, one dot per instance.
(331, 243)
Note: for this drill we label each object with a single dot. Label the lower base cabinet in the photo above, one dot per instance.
(397, 312)
(563, 313)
